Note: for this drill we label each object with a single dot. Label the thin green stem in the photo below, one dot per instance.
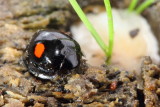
(132, 5)
(144, 5)
(88, 25)
(110, 28)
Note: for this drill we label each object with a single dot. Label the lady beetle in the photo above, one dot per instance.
(52, 53)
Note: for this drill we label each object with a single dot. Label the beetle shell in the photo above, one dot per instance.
(52, 53)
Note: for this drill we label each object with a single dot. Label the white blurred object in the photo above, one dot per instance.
(133, 40)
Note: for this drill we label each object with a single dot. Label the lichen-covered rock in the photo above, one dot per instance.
(80, 87)
(95, 86)
(1, 101)
(35, 13)
(13, 103)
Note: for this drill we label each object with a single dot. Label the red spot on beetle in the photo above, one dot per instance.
(39, 50)
(113, 85)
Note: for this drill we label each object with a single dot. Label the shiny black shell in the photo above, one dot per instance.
(61, 54)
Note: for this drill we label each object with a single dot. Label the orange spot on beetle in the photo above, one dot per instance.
(39, 50)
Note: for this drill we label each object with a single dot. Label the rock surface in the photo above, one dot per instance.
(102, 87)
(151, 76)
(34, 14)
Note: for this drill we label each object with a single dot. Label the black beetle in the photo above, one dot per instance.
(52, 53)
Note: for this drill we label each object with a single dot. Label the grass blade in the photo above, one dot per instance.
(88, 25)
(144, 5)
(110, 29)
(132, 5)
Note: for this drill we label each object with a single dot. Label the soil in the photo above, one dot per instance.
(106, 86)
(151, 77)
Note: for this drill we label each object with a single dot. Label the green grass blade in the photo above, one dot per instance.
(144, 5)
(132, 5)
(110, 28)
(88, 25)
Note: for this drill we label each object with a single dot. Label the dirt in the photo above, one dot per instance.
(151, 76)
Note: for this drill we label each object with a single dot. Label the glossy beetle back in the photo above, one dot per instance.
(52, 53)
